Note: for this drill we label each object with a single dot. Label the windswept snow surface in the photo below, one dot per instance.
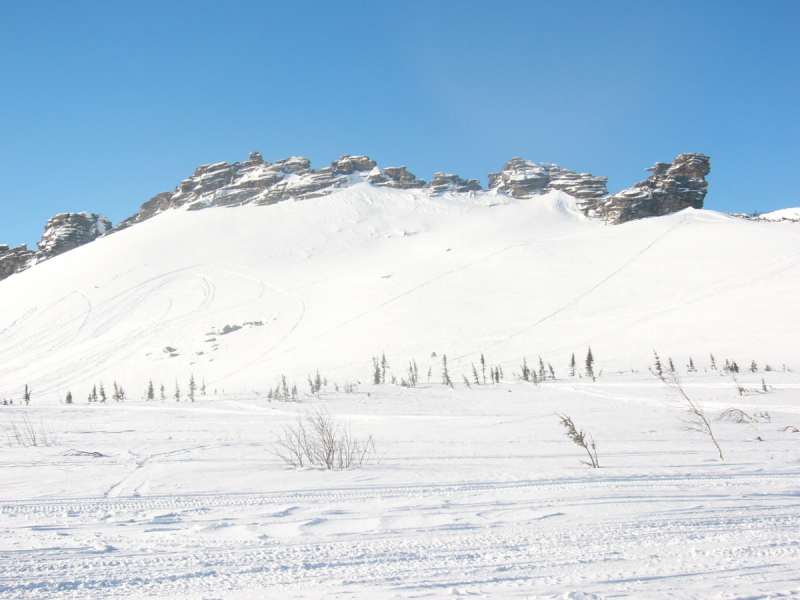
(473, 491)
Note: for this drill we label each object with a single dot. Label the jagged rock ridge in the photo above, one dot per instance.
(256, 181)
(670, 188)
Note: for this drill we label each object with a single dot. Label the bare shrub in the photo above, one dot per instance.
(318, 438)
(24, 432)
(73, 452)
(735, 415)
(763, 415)
(579, 438)
(695, 417)
(347, 388)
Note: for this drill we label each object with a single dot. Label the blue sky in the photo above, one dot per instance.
(105, 104)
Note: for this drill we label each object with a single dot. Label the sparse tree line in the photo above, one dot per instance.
(319, 439)
(318, 383)
(730, 366)
(381, 374)
(99, 394)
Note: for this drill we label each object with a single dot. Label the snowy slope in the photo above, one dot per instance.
(473, 490)
(788, 214)
(330, 282)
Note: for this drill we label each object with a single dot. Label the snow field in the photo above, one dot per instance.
(477, 492)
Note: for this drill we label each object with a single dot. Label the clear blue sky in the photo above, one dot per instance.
(105, 104)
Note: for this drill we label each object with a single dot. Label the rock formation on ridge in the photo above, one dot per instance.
(14, 260)
(67, 231)
(62, 233)
(447, 182)
(671, 187)
(522, 178)
(256, 181)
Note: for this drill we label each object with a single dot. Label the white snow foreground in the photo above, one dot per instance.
(473, 491)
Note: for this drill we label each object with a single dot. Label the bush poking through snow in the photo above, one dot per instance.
(695, 418)
(318, 438)
(412, 375)
(25, 433)
(735, 415)
(580, 438)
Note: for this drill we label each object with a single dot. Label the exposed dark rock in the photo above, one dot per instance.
(254, 181)
(671, 187)
(394, 177)
(522, 178)
(157, 204)
(62, 233)
(583, 186)
(259, 182)
(446, 182)
(67, 231)
(350, 164)
(14, 260)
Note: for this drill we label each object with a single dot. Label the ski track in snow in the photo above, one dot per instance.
(493, 538)
(584, 294)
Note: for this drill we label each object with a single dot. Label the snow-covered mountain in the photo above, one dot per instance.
(473, 487)
(670, 188)
(237, 295)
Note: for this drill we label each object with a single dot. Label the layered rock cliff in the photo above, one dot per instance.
(14, 260)
(671, 187)
(62, 233)
(67, 231)
(257, 181)
(522, 178)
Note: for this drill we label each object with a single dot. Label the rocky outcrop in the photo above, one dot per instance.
(522, 178)
(62, 233)
(259, 182)
(347, 164)
(670, 188)
(67, 231)
(157, 204)
(394, 177)
(14, 260)
(578, 185)
(447, 182)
